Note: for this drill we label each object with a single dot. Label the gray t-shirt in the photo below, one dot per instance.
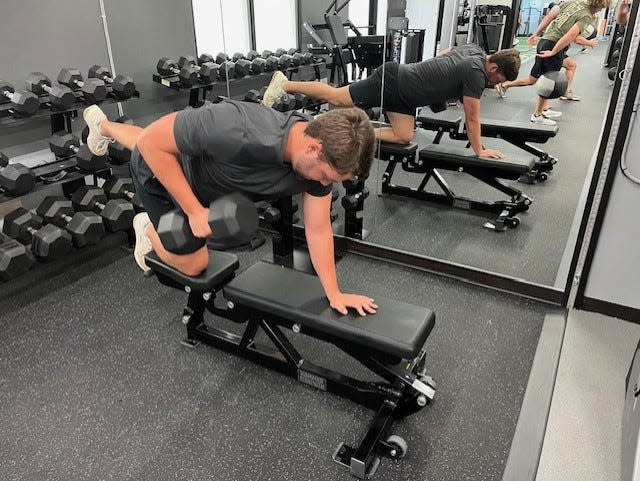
(454, 75)
(236, 146)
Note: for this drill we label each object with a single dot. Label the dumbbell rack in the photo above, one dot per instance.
(60, 119)
(172, 81)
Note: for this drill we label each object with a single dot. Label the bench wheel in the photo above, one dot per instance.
(512, 222)
(541, 177)
(399, 446)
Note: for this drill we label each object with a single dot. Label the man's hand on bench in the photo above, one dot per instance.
(491, 153)
(363, 304)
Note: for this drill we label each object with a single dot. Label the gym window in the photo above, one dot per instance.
(272, 34)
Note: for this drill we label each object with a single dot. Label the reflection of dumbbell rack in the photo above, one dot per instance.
(173, 82)
(60, 119)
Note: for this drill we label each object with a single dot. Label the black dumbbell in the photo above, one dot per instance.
(22, 101)
(221, 58)
(302, 100)
(86, 228)
(267, 213)
(271, 63)
(267, 53)
(307, 58)
(188, 75)
(242, 68)
(280, 52)
(292, 51)
(46, 242)
(253, 95)
(15, 258)
(252, 54)
(237, 56)
(227, 70)
(258, 65)
(615, 56)
(232, 217)
(285, 103)
(117, 214)
(122, 86)
(352, 201)
(611, 74)
(60, 96)
(15, 179)
(63, 144)
(93, 90)
(285, 61)
(122, 188)
(207, 71)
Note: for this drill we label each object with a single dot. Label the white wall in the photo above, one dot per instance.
(424, 14)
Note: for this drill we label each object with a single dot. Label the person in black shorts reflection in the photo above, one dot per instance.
(460, 73)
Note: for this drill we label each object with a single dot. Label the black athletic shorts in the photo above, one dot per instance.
(551, 64)
(366, 93)
(153, 195)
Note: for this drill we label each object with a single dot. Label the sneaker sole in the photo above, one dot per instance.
(141, 237)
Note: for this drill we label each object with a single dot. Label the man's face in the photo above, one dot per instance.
(496, 77)
(318, 170)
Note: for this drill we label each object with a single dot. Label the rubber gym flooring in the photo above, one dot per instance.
(534, 250)
(94, 383)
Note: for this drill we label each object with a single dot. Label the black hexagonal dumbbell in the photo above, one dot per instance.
(15, 258)
(253, 95)
(207, 71)
(271, 63)
(15, 179)
(86, 228)
(122, 188)
(285, 103)
(117, 214)
(93, 90)
(60, 96)
(187, 75)
(23, 102)
(46, 242)
(64, 144)
(232, 217)
(122, 86)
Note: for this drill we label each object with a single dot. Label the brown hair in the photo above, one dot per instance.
(597, 5)
(508, 61)
(347, 137)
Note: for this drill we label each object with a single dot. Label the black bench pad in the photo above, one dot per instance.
(397, 328)
(447, 120)
(388, 149)
(452, 156)
(526, 131)
(221, 266)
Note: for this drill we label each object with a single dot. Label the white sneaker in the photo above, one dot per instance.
(275, 90)
(98, 144)
(570, 96)
(551, 114)
(143, 243)
(538, 119)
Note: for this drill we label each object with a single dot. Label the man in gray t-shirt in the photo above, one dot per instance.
(189, 158)
(459, 73)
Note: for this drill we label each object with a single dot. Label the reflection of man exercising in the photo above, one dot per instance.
(459, 73)
(568, 63)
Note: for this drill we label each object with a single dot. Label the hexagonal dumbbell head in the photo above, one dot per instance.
(227, 70)
(60, 96)
(167, 66)
(22, 101)
(117, 214)
(233, 217)
(63, 144)
(88, 161)
(15, 258)
(271, 63)
(93, 90)
(20, 224)
(237, 56)
(51, 242)
(175, 234)
(242, 68)
(119, 188)
(188, 75)
(122, 86)
(221, 57)
(209, 72)
(187, 60)
(258, 65)
(205, 58)
(17, 179)
(85, 227)
(4, 160)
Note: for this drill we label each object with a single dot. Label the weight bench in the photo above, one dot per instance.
(457, 158)
(516, 133)
(268, 296)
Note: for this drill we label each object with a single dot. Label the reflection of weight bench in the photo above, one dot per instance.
(516, 133)
(267, 296)
(459, 159)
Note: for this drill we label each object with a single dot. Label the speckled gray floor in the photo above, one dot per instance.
(94, 384)
(534, 250)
